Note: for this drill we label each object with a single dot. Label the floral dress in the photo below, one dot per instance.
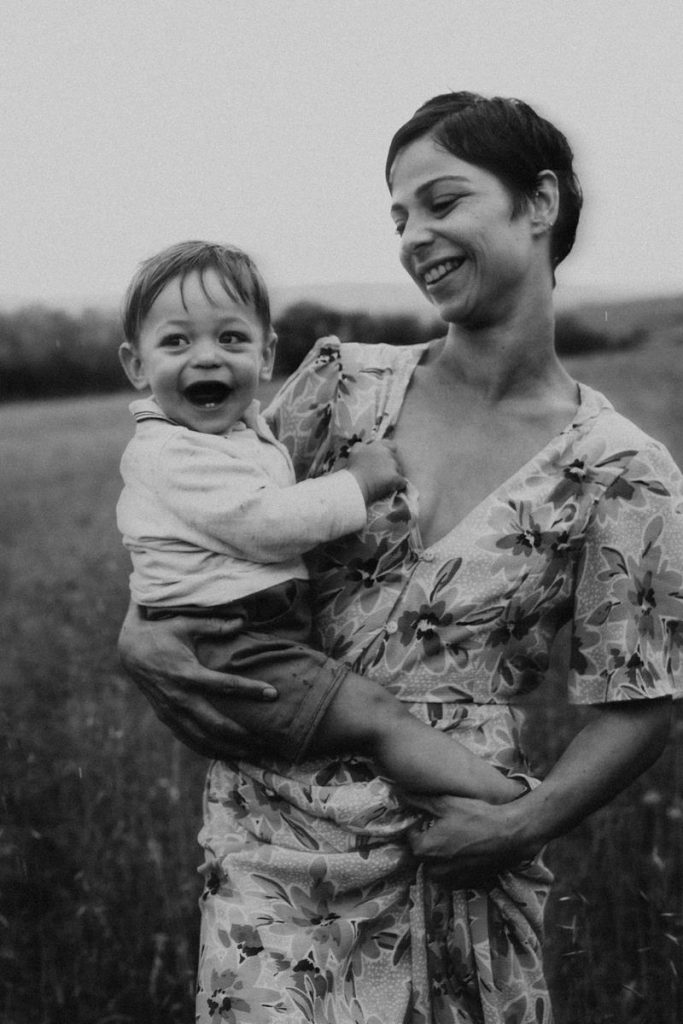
(314, 909)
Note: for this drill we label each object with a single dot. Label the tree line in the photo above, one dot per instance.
(49, 353)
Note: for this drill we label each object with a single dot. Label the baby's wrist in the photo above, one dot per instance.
(362, 483)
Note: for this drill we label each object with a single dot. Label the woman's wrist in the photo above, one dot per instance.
(521, 825)
(538, 819)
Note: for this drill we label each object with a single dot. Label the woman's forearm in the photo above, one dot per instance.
(612, 750)
(469, 840)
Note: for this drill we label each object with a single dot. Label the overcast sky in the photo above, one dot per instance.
(130, 124)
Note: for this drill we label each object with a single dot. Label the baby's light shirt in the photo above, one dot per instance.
(208, 519)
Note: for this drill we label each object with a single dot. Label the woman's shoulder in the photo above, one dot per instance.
(619, 439)
(353, 356)
(336, 371)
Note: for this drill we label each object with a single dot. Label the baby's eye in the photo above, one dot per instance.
(230, 338)
(173, 341)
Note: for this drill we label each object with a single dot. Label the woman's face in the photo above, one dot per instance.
(460, 242)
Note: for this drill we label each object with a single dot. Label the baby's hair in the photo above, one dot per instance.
(236, 271)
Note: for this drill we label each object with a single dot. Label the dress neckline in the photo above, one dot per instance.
(590, 404)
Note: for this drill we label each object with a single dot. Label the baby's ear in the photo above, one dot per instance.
(268, 356)
(132, 365)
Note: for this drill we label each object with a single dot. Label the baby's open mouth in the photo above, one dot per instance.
(207, 393)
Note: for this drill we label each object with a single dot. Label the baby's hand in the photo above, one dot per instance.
(376, 468)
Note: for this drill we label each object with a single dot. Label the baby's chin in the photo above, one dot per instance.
(210, 424)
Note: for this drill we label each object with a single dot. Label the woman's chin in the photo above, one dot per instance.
(452, 310)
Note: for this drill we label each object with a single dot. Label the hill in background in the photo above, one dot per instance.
(609, 314)
(47, 351)
(616, 317)
(400, 297)
(596, 305)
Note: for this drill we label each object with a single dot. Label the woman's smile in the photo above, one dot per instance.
(435, 274)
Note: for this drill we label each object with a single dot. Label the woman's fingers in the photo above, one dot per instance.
(197, 723)
(164, 651)
(194, 676)
(466, 842)
(212, 735)
(429, 804)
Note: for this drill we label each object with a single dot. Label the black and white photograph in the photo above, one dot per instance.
(341, 512)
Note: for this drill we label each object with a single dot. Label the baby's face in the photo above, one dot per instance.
(203, 357)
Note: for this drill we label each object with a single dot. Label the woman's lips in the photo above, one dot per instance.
(440, 270)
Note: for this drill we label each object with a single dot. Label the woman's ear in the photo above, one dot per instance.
(545, 202)
(132, 365)
(268, 356)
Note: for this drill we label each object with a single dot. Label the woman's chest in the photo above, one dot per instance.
(456, 460)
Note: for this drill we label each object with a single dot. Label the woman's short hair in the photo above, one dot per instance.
(236, 271)
(507, 138)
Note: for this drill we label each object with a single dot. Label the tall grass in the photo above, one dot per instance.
(100, 805)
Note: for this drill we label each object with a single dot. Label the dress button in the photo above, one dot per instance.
(392, 627)
(428, 556)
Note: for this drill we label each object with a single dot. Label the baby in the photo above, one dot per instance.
(216, 524)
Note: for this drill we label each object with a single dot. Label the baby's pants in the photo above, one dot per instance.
(273, 647)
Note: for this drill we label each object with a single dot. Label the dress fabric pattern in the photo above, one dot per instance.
(314, 909)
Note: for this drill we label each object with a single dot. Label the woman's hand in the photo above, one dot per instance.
(470, 840)
(161, 659)
(467, 841)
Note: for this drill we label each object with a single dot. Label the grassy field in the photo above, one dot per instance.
(100, 805)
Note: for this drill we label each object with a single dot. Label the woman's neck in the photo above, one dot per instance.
(506, 361)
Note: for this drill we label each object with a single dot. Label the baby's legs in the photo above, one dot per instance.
(324, 708)
(365, 718)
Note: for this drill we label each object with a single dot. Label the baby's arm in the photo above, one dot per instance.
(276, 523)
(242, 512)
(365, 718)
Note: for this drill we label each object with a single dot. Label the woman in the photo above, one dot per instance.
(531, 505)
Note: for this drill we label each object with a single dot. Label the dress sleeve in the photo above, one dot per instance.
(301, 413)
(628, 612)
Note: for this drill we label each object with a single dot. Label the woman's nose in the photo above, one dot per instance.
(416, 234)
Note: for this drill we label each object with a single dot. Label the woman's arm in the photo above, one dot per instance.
(635, 534)
(161, 659)
(471, 840)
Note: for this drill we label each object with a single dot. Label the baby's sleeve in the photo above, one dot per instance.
(627, 638)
